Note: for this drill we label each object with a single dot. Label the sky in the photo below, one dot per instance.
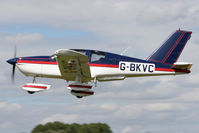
(136, 105)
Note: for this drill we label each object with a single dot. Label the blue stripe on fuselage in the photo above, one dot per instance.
(38, 58)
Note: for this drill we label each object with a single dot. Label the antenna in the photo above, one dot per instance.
(125, 50)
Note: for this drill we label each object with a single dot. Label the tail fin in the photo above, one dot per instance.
(169, 52)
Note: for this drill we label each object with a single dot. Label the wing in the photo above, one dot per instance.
(73, 65)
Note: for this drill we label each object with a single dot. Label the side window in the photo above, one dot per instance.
(97, 56)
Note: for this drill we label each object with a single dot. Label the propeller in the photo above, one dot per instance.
(13, 62)
(14, 65)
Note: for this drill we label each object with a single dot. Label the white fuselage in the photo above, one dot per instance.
(52, 71)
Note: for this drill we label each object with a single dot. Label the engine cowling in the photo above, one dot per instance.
(80, 90)
(34, 87)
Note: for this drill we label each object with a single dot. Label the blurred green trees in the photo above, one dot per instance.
(59, 127)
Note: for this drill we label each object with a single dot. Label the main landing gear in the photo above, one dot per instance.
(31, 88)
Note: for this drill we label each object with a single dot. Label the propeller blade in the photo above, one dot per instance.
(13, 73)
(15, 52)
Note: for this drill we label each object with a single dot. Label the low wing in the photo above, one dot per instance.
(73, 65)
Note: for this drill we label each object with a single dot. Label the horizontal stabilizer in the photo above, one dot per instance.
(182, 66)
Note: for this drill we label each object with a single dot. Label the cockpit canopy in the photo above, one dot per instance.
(93, 55)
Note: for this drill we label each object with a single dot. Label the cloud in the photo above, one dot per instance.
(192, 79)
(6, 125)
(162, 13)
(2, 77)
(189, 96)
(109, 106)
(154, 88)
(67, 118)
(99, 16)
(131, 111)
(164, 107)
(127, 130)
(10, 107)
(20, 38)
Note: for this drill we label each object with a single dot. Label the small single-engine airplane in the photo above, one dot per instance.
(82, 66)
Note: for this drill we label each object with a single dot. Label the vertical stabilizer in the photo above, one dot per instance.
(169, 52)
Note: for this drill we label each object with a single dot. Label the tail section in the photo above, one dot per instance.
(169, 52)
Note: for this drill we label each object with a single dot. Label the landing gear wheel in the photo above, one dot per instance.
(79, 97)
(30, 92)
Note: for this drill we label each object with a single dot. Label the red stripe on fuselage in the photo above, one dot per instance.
(98, 65)
(55, 63)
(164, 69)
(36, 62)
(39, 87)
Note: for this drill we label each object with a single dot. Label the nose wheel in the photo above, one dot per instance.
(35, 87)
